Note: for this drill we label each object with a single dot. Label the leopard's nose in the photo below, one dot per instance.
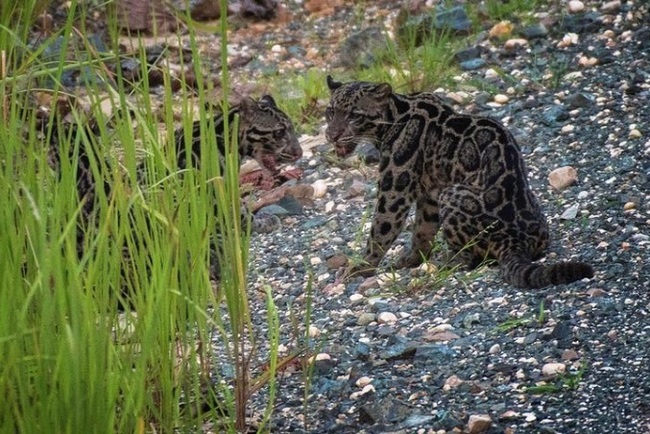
(332, 136)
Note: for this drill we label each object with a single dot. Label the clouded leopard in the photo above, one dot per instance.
(465, 174)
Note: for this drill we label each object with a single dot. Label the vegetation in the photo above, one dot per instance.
(72, 361)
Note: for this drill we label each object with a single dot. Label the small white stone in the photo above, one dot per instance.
(320, 188)
(576, 6)
(314, 331)
(571, 212)
(562, 177)
(478, 423)
(511, 44)
(356, 298)
(491, 74)
(495, 349)
(363, 382)
(568, 40)
(553, 369)
(367, 389)
(635, 134)
(501, 98)
(530, 417)
(318, 357)
(568, 129)
(276, 48)
(329, 206)
(441, 328)
(587, 61)
(386, 318)
(451, 383)
(315, 260)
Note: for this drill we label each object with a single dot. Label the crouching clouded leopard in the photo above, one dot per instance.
(465, 175)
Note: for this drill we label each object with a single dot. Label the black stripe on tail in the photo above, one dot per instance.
(523, 273)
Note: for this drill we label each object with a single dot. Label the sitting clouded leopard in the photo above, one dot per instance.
(465, 174)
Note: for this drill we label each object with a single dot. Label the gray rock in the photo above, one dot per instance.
(434, 353)
(471, 65)
(579, 100)
(536, 31)
(361, 48)
(471, 53)
(368, 153)
(388, 410)
(554, 114)
(291, 205)
(315, 222)
(418, 28)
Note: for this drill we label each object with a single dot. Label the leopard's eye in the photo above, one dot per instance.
(278, 134)
(355, 116)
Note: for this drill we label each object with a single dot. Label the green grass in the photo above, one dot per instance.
(499, 10)
(71, 362)
(566, 381)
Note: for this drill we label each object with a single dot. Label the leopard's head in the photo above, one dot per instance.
(355, 113)
(267, 134)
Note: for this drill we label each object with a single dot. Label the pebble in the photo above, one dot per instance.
(629, 206)
(587, 61)
(367, 389)
(562, 177)
(501, 30)
(441, 328)
(570, 354)
(553, 369)
(451, 383)
(314, 331)
(612, 335)
(571, 212)
(635, 134)
(568, 40)
(495, 349)
(478, 423)
(512, 44)
(501, 98)
(320, 188)
(366, 318)
(356, 298)
(363, 382)
(491, 74)
(386, 318)
(596, 292)
(611, 7)
(576, 6)
(529, 417)
(568, 129)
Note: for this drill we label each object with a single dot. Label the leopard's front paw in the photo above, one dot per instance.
(410, 259)
(363, 270)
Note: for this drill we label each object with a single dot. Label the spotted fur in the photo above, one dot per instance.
(465, 175)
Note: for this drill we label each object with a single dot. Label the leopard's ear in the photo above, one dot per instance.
(333, 85)
(247, 106)
(267, 101)
(383, 90)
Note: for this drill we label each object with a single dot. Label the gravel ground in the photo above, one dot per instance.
(423, 351)
(427, 350)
